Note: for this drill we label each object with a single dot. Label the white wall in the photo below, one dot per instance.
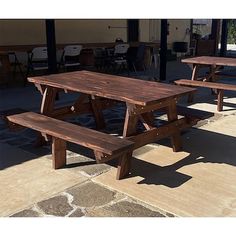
(22, 32)
(179, 30)
(90, 31)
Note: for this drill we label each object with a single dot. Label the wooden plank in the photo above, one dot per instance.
(124, 165)
(82, 98)
(147, 120)
(220, 95)
(161, 132)
(209, 60)
(119, 88)
(212, 85)
(152, 107)
(172, 116)
(76, 134)
(195, 71)
(131, 120)
(58, 153)
(75, 110)
(130, 127)
(48, 100)
(97, 112)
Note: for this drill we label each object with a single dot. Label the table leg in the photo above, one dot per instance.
(194, 77)
(220, 95)
(195, 71)
(58, 153)
(212, 77)
(48, 100)
(97, 112)
(47, 106)
(172, 116)
(130, 126)
(148, 120)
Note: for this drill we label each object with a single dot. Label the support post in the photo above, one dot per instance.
(215, 33)
(224, 35)
(51, 46)
(163, 51)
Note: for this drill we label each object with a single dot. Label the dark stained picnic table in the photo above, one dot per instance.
(100, 91)
(215, 63)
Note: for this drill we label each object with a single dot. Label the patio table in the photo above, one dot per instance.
(100, 91)
(215, 63)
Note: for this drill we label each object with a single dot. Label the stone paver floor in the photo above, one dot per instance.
(89, 199)
(86, 198)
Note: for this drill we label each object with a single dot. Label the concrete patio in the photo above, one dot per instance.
(197, 181)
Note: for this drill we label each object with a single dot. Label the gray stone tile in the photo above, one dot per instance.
(26, 213)
(77, 213)
(56, 206)
(91, 195)
(94, 170)
(79, 163)
(124, 209)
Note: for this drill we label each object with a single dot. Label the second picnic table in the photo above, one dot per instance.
(100, 91)
(215, 63)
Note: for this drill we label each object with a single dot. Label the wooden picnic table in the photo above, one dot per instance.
(100, 91)
(215, 63)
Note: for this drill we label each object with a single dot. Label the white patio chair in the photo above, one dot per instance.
(38, 59)
(70, 56)
(120, 55)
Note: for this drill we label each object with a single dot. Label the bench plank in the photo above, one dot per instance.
(220, 87)
(212, 85)
(89, 138)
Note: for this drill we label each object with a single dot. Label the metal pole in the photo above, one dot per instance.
(51, 46)
(224, 35)
(163, 50)
(215, 32)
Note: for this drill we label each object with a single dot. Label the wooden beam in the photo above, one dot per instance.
(156, 134)
(58, 153)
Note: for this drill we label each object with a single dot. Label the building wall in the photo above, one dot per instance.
(24, 32)
(20, 32)
(144, 30)
(179, 30)
(90, 31)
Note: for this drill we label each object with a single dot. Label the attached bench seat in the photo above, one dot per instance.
(220, 87)
(105, 146)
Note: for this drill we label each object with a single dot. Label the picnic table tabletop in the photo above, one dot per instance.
(119, 88)
(210, 60)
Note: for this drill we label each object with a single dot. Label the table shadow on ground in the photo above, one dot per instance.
(203, 147)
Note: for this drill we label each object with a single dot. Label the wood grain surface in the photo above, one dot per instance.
(119, 88)
(93, 139)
